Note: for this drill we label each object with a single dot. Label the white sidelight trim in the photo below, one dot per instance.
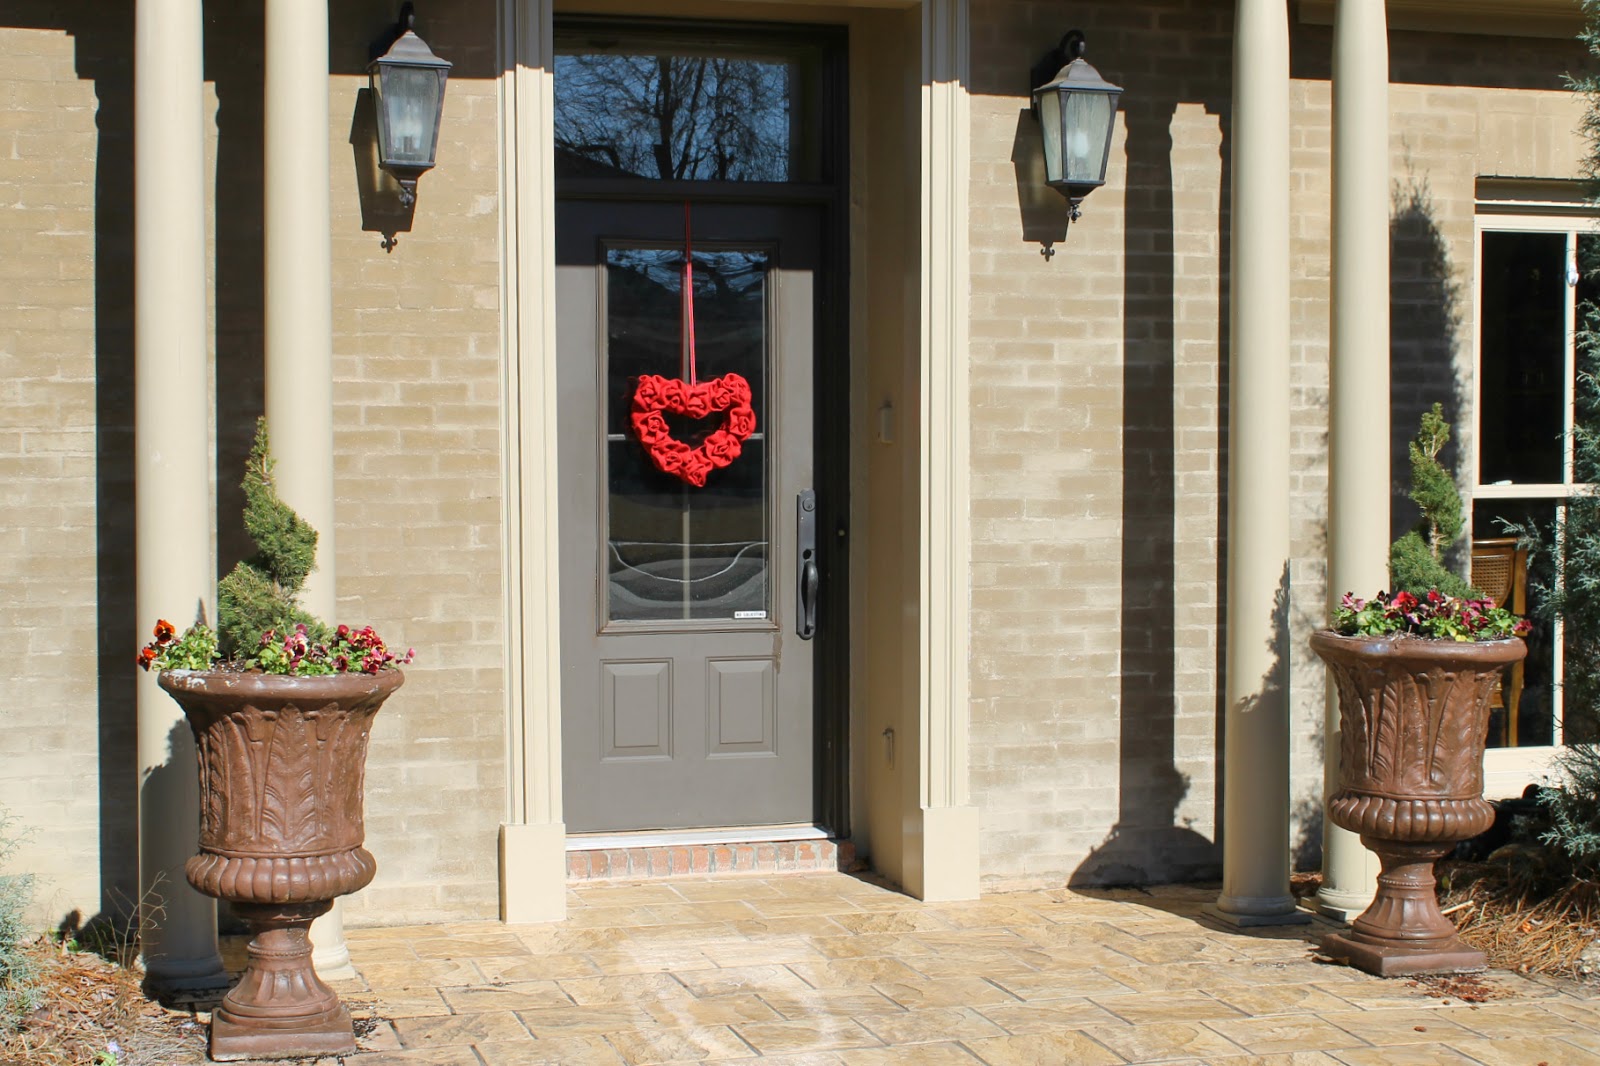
(1358, 382)
(941, 842)
(533, 863)
(1255, 845)
(175, 571)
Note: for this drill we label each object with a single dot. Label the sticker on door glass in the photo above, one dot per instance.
(741, 615)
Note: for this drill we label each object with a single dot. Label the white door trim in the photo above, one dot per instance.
(533, 869)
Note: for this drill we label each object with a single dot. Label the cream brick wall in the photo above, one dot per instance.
(417, 439)
(63, 730)
(1099, 421)
(1099, 414)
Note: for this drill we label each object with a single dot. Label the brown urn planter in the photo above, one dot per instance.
(1413, 719)
(282, 765)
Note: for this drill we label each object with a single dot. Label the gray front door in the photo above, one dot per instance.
(686, 685)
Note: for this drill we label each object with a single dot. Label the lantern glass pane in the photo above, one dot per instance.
(1050, 125)
(408, 101)
(1086, 125)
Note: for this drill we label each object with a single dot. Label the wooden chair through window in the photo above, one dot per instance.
(1500, 569)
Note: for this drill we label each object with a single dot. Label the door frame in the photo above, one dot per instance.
(830, 365)
(938, 850)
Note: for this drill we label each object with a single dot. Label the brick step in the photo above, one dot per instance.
(700, 860)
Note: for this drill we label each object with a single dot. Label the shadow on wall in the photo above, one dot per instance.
(1042, 212)
(1148, 842)
(1425, 335)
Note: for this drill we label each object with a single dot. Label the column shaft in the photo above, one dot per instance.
(175, 575)
(299, 313)
(1358, 379)
(1255, 879)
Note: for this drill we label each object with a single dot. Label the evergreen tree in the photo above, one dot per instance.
(1416, 560)
(263, 591)
(1573, 544)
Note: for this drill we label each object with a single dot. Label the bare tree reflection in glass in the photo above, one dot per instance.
(674, 116)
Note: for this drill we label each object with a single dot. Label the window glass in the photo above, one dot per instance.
(1522, 357)
(1523, 707)
(672, 107)
(676, 552)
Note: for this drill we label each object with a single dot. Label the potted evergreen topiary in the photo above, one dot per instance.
(1414, 671)
(280, 706)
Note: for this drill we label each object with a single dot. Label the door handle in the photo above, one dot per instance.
(806, 553)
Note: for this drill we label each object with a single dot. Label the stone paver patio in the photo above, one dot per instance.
(828, 969)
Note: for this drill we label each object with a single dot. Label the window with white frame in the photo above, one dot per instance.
(1533, 277)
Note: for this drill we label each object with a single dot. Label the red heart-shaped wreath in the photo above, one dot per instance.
(655, 394)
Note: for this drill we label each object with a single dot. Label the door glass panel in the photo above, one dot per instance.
(1523, 357)
(674, 551)
(684, 107)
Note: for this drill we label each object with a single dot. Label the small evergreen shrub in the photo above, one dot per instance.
(260, 623)
(20, 972)
(1416, 560)
(263, 592)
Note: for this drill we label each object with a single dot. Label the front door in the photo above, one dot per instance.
(686, 610)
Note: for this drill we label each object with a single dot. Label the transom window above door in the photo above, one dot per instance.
(685, 104)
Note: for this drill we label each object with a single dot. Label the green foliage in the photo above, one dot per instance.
(1574, 809)
(261, 594)
(1432, 615)
(1416, 560)
(1573, 547)
(20, 972)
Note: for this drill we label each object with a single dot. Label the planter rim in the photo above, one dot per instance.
(1407, 646)
(347, 686)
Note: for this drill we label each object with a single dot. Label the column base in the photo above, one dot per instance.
(1387, 960)
(333, 1035)
(164, 977)
(941, 854)
(330, 954)
(533, 872)
(1253, 913)
(1342, 906)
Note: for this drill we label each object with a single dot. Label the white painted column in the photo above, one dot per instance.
(1255, 856)
(176, 575)
(1358, 381)
(299, 316)
(941, 837)
(533, 839)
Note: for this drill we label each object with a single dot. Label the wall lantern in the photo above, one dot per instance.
(1076, 110)
(408, 91)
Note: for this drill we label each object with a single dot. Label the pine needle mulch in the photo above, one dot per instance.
(93, 1013)
(1521, 925)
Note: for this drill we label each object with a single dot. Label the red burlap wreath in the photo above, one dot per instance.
(655, 394)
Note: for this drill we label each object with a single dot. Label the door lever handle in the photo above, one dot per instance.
(809, 578)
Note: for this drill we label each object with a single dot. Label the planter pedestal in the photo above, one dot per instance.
(282, 764)
(280, 999)
(1413, 719)
(1403, 931)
